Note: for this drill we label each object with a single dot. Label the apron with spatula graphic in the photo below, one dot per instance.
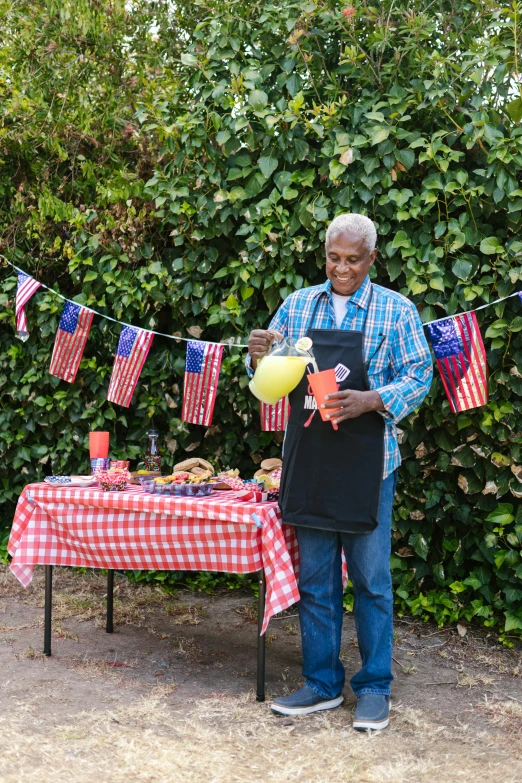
(331, 478)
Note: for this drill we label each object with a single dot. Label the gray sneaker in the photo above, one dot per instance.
(303, 702)
(372, 712)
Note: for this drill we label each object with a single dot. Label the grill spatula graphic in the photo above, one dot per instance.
(341, 373)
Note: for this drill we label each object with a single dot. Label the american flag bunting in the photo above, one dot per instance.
(202, 367)
(461, 359)
(69, 343)
(25, 288)
(133, 347)
(274, 417)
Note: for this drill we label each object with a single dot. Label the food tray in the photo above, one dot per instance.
(178, 490)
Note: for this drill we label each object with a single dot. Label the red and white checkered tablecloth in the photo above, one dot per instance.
(72, 526)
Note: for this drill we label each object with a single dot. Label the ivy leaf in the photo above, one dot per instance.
(231, 302)
(503, 515)
(378, 134)
(246, 292)
(514, 109)
(258, 99)
(272, 297)
(496, 329)
(189, 59)
(268, 165)
(437, 283)
(500, 460)
(336, 169)
(419, 544)
(462, 268)
(293, 84)
(406, 157)
(500, 556)
(394, 267)
(473, 581)
(222, 137)
(457, 587)
(401, 240)
(513, 621)
(490, 246)
(289, 193)
(516, 324)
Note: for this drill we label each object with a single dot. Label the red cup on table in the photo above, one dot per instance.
(322, 384)
(99, 445)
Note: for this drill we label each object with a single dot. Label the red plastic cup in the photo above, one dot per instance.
(99, 445)
(322, 384)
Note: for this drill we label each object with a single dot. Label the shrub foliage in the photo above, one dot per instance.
(175, 166)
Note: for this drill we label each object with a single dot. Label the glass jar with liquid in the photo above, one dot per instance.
(152, 458)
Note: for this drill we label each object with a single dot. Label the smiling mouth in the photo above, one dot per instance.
(343, 279)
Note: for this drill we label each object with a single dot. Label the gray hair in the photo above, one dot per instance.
(355, 224)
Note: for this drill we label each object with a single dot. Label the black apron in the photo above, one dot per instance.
(331, 479)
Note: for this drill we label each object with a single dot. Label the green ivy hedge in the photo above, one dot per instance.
(176, 167)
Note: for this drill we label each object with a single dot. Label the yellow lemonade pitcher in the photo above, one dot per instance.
(280, 371)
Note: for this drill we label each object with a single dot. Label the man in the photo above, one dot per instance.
(338, 483)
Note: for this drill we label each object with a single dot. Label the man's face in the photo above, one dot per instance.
(348, 261)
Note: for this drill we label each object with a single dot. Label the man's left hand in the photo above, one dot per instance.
(352, 404)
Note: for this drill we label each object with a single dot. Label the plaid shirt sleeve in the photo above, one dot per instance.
(412, 367)
(280, 323)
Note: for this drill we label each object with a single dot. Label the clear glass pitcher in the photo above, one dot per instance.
(280, 371)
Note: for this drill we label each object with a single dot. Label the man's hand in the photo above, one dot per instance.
(352, 404)
(259, 342)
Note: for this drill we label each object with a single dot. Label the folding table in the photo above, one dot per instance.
(87, 527)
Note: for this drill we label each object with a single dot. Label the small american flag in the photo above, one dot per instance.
(461, 359)
(202, 368)
(72, 334)
(133, 348)
(274, 417)
(24, 290)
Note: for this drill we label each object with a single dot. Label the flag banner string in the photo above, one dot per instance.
(233, 344)
(122, 323)
(475, 309)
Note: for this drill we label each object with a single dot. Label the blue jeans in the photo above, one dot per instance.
(321, 604)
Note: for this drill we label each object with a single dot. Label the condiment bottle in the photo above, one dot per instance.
(152, 457)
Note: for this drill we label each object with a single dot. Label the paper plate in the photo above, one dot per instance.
(70, 481)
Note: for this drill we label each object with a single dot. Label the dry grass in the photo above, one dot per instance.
(97, 667)
(469, 680)
(188, 648)
(59, 632)
(186, 615)
(9, 628)
(233, 740)
(248, 612)
(31, 653)
(169, 737)
(505, 714)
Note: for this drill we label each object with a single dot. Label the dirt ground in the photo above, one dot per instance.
(170, 697)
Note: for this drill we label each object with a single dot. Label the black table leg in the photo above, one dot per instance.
(110, 600)
(48, 610)
(260, 696)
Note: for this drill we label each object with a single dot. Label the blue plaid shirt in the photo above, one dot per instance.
(397, 357)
